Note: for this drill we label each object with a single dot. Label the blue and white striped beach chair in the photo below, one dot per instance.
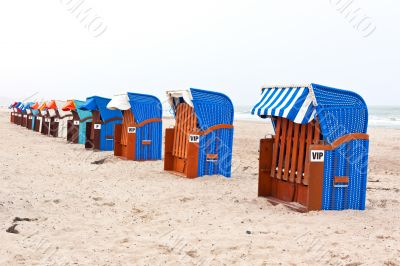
(318, 157)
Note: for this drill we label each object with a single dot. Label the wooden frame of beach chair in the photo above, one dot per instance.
(12, 113)
(139, 137)
(316, 160)
(43, 119)
(58, 119)
(18, 113)
(100, 132)
(201, 141)
(76, 127)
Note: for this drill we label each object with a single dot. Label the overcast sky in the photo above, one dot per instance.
(72, 49)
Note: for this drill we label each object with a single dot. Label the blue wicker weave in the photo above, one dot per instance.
(146, 107)
(213, 108)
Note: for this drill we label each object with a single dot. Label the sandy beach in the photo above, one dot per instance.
(133, 213)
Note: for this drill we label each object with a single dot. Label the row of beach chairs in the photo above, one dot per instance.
(317, 159)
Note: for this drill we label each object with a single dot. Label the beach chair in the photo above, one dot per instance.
(58, 119)
(13, 112)
(318, 157)
(100, 132)
(18, 113)
(77, 126)
(201, 141)
(41, 117)
(139, 137)
(29, 115)
(25, 115)
(36, 123)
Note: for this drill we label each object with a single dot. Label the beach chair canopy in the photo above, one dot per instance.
(211, 108)
(96, 103)
(12, 105)
(143, 106)
(74, 105)
(339, 112)
(55, 105)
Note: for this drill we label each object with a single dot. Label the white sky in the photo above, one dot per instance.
(225, 45)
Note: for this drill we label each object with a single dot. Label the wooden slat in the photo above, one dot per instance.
(309, 142)
(288, 150)
(295, 152)
(282, 148)
(276, 146)
(185, 130)
(176, 133)
(128, 121)
(317, 133)
(300, 162)
(186, 123)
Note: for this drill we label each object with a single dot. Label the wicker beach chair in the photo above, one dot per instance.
(139, 137)
(318, 157)
(100, 132)
(201, 141)
(77, 126)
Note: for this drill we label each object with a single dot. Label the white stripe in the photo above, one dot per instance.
(277, 111)
(302, 112)
(277, 101)
(260, 105)
(286, 112)
(270, 101)
(312, 115)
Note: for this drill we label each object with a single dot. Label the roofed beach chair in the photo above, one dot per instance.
(28, 111)
(201, 141)
(139, 137)
(100, 132)
(77, 126)
(24, 111)
(58, 119)
(14, 112)
(318, 157)
(18, 116)
(36, 123)
(43, 115)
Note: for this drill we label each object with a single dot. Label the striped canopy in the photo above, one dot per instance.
(296, 103)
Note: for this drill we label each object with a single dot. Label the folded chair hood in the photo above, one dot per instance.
(61, 112)
(97, 103)
(296, 103)
(35, 106)
(69, 106)
(339, 112)
(119, 102)
(178, 96)
(89, 105)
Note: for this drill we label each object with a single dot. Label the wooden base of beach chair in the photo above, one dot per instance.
(125, 144)
(24, 120)
(45, 126)
(183, 166)
(285, 172)
(73, 131)
(92, 136)
(29, 122)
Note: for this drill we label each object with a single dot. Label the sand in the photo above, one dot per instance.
(133, 213)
